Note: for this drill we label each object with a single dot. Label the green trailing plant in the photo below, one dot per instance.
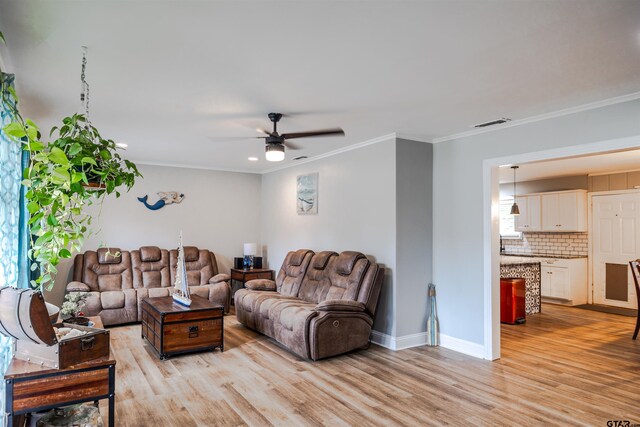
(76, 168)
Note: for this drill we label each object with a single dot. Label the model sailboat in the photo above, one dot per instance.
(181, 294)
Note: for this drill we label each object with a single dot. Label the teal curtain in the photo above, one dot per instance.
(13, 255)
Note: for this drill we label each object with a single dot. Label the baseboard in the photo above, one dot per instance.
(419, 339)
(462, 346)
(383, 340)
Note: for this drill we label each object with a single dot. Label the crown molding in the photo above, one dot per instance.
(564, 112)
(334, 152)
(412, 137)
(205, 168)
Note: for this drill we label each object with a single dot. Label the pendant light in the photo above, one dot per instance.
(515, 210)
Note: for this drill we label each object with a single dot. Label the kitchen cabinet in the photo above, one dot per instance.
(564, 211)
(530, 213)
(564, 281)
(558, 211)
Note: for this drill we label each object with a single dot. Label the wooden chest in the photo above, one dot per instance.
(24, 317)
(173, 329)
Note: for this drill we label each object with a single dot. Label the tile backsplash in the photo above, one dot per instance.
(565, 244)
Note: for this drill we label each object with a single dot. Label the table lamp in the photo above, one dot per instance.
(250, 250)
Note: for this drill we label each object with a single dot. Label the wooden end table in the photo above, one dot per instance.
(172, 328)
(241, 275)
(30, 387)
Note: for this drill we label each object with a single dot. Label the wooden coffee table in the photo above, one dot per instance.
(173, 329)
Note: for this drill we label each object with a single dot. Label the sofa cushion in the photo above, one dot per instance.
(295, 313)
(112, 299)
(346, 286)
(261, 285)
(109, 282)
(346, 261)
(316, 283)
(292, 272)
(109, 256)
(191, 253)
(150, 254)
(321, 259)
(222, 277)
(77, 287)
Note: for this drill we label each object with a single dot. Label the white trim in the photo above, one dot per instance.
(412, 137)
(170, 165)
(383, 340)
(416, 340)
(571, 110)
(462, 346)
(333, 152)
(490, 236)
(613, 173)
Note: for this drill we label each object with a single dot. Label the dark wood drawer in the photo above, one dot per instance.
(60, 389)
(192, 315)
(192, 335)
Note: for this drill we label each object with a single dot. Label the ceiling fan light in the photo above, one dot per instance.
(274, 152)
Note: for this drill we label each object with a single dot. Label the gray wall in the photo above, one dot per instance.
(414, 221)
(220, 212)
(458, 201)
(578, 182)
(356, 211)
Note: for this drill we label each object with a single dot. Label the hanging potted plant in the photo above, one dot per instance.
(76, 168)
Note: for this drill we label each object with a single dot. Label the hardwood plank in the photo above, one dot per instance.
(565, 366)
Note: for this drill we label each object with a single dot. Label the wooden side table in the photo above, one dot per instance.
(244, 276)
(30, 387)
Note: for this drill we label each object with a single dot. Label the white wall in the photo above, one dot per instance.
(220, 212)
(356, 211)
(458, 201)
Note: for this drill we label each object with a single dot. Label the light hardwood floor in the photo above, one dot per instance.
(565, 366)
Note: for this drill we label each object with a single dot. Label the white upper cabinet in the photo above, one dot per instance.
(553, 212)
(529, 218)
(564, 211)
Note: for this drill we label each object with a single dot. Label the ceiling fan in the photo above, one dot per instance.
(275, 142)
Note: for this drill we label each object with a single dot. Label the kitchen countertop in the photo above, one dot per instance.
(512, 259)
(542, 256)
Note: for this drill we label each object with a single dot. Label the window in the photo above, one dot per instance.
(508, 221)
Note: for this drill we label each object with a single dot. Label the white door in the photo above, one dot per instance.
(616, 241)
(533, 208)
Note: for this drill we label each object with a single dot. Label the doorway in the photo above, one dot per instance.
(492, 227)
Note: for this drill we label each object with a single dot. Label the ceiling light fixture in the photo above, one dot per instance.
(253, 159)
(515, 210)
(274, 152)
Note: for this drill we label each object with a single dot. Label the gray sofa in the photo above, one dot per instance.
(320, 305)
(117, 281)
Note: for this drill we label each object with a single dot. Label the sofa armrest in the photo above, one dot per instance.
(222, 277)
(77, 287)
(261, 285)
(341, 305)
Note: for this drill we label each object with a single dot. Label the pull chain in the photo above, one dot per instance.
(84, 94)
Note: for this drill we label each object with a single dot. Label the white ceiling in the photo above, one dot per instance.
(167, 76)
(621, 161)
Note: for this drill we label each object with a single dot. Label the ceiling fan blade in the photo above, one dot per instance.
(321, 132)
(266, 132)
(291, 146)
